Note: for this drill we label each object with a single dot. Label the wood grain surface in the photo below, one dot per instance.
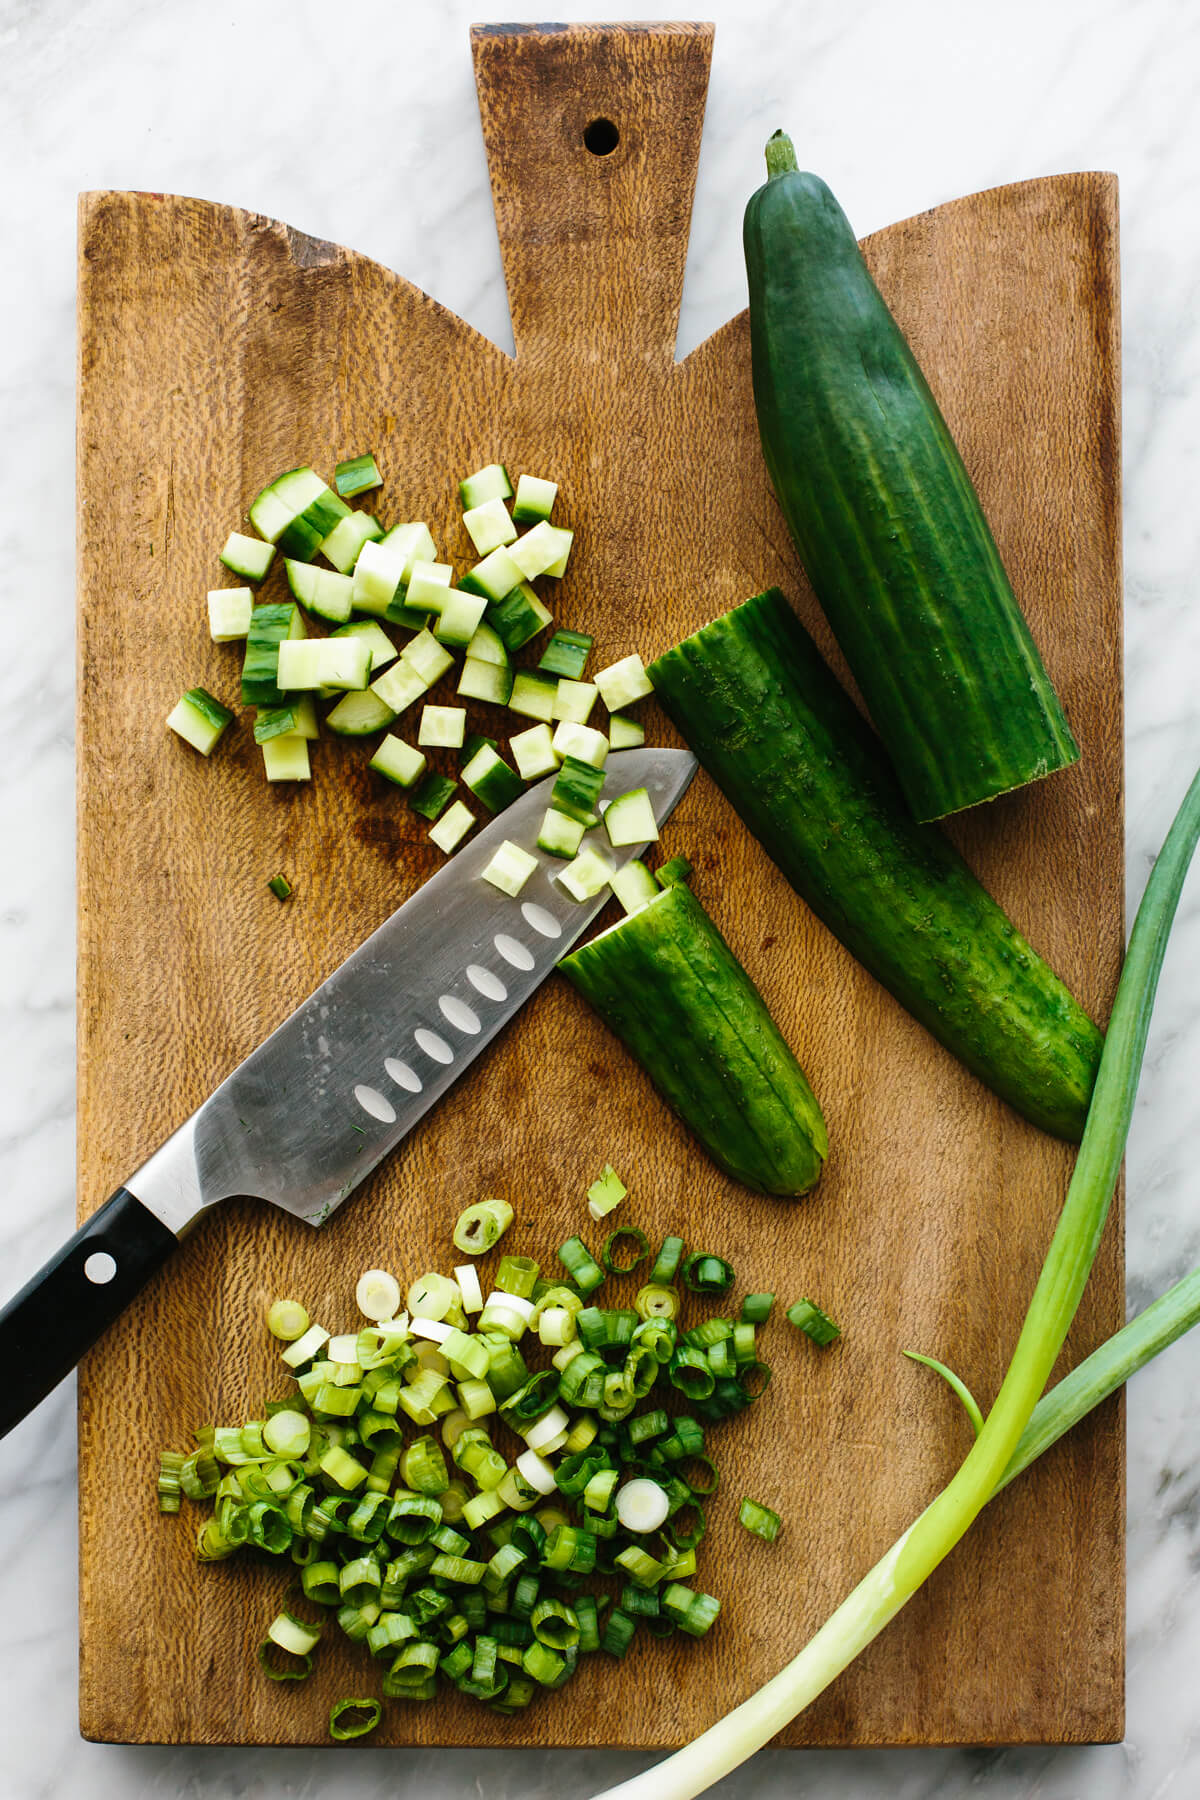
(218, 347)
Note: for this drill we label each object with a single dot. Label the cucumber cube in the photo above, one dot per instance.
(574, 701)
(518, 617)
(382, 649)
(533, 696)
(630, 820)
(489, 483)
(533, 752)
(485, 681)
(359, 715)
(347, 538)
(488, 646)
(286, 759)
(510, 868)
(427, 586)
(583, 742)
(543, 550)
(431, 794)
(560, 836)
(495, 576)
(587, 876)
(489, 525)
(459, 618)
(490, 779)
(443, 727)
(634, 886)
(247, 556)
(358, 475)
(199, 720)
(625, 733)
(397, 688)
(398, 761)
(535, 499)
(229, 611)
(452, 827)
(424, 654)
(623, 682)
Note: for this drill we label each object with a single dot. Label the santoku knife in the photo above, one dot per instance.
(316, 1107)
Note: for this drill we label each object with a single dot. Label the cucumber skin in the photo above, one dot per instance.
(666, 982)
(884, 516)
(765, 716)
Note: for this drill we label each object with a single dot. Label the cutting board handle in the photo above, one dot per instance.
(593, 136)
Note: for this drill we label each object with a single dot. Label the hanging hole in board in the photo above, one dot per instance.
(601, 137)
(100, 1268)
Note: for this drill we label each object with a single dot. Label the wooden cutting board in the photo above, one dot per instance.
(218, 347)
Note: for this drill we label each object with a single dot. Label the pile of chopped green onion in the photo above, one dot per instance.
(468, 1509)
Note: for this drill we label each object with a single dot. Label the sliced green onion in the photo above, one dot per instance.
(642, 1505)
(656, 1301)
(666, 1263)
(617, 1635)
(580, 1265)
(760, 1520)
(704, 1273)
(479, 1228)
(620, 1261)
(707, 1487)
(677, 869)
(377, 1294)
(170, 1480)
(283, 1665)
(807, 1317)
(517, 1275)
(605, 1193)
(756, 1308)
(287, 1320)
(690, 1373)
(351, 1718)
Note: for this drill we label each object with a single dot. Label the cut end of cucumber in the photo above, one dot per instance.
(442, 727)
(489, 483)
(229, 612)
(535, 499)
(489, 681)
(587, 876)
(360, 715)
(625, 733)
(489, 525)
(560, 835)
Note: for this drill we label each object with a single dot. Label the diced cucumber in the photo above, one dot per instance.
(246, 556)
(582, 741)
(560, 836)
(543, 551)
(295, 718)
(487, 646)
(634, 885)
(427, 586)
(398, 761)
(452, 827)
(623, 682)
(630, 820)
(459, 618)
(407, 617)
(533, 752)
(475, 742)
(286, 759)
(357, 475)
(488, 525)
(491, 780)
(340, 663)
(199, 720)
(282, 503)
(320, 591)
(535, 499)
(442, 727)
(270, 625)
(399, 686)
(432, 794)
(510, 868)
(587, 876)
(574, 701)
(385, 567)
(488, 483)
(533, 695)
(229, 611)
(495, 576)
(359, 715)
(566, 654)
(382, 649)
(519, 616)
(625, 733)
(424, 654)
(577, 790)
(347, 538)
(485, 681)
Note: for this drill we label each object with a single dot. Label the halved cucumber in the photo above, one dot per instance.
(666, 982)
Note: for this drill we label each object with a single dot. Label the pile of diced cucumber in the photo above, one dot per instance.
(379, 579)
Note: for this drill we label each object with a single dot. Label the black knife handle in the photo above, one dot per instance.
(45, 1329)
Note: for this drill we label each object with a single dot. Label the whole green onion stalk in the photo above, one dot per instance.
(1004, 1445)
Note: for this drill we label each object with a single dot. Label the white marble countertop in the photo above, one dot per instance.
(900, 106)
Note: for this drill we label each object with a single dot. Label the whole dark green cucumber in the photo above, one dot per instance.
(798, 762)
(883, 513)
(666, 982)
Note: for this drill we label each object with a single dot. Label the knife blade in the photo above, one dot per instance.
(307, 1116)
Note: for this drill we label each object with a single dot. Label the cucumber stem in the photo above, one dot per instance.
(781, 155)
